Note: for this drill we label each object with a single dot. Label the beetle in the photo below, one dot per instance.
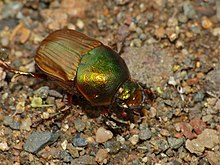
(83, 65)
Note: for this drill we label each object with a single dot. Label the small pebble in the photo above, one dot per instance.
(45, 115)
(60, 104)
(86, 159)
(139, 31)
(11, 9)
(179, 44)
(54, 93)
(182, 18)
(50, 100)
(187, 130)
(121, 139)
(206, 23)
(216, 31)
(189, 10)
(132, 27)
(37, 38)
(172, 36)
(26, 124)
(5, 41)
(90, 140)
(73, 151)
(210, 102)
(159, 145)
(198, 96)
(195, 29)
(160, 32)
(172, 81)
(65, 127)
(172, 22)
(79, 125)
(21, 33)
(136, 42)
(101, 156)
(9, 121)
(145, 159)
(132, 125)
(207, 139)
(151, 41)
(207, 118)
(153, 112)
(164, 132)
(65, 156)
(144, 133)
(64, 144)
(78, 141)
(103, 135)
(113, 146)
(213, 157)
(4, 146)
(175, 143)
(80, 24)
(3, 53)
(217, 106)
(198, 125)
(143, 37)
(42, 92)
(20, 106)
(213, 81)
(134, 139)
(2, 74)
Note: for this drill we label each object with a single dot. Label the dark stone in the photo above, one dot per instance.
(78, 141)
(38, 140)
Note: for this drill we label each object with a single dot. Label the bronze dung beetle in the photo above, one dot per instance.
(81, 64)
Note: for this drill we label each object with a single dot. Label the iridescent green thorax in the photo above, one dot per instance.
(99, 75)
(130, 95)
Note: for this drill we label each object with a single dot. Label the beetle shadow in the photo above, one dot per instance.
(112, 116)
(87, 108)
(112, 112)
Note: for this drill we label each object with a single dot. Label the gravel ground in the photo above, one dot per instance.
(171, 46)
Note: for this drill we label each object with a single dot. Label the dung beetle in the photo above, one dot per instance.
(83, 65)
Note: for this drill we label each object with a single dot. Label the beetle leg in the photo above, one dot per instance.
(57, 116)
(114, 117)
(10, 69)
(69, 99)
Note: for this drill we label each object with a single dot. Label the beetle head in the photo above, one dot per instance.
(130, 95)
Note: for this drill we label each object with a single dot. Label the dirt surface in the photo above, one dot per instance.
(171, 46)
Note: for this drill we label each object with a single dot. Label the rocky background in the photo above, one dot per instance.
(170, 45)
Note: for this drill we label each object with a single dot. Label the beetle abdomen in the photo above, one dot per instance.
(99, 75)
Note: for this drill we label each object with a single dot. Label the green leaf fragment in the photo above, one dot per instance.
(159, 90)
(37, 102)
